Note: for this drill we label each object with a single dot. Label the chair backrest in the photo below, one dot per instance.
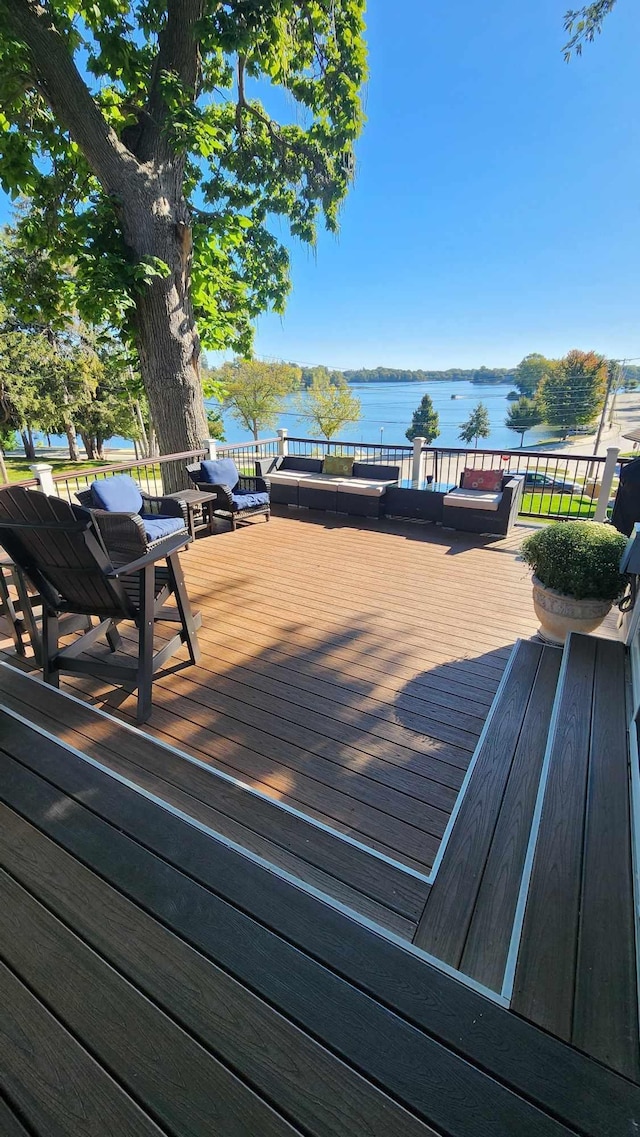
(60, 550)
(119, 494)
(221, 472)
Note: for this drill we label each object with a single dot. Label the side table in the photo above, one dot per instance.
(199, 509)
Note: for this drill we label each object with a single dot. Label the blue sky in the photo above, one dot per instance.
(496, 209)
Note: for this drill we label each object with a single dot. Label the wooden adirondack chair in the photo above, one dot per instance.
(60, 550)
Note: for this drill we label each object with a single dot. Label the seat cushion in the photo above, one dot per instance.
(473, 499)
(117, 495)
(244, 499)
(362, 488)
(221, 472)
(157, 527)
(287, 477)
(322, 482)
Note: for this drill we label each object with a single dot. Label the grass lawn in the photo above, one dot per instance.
(557, 504)
(19, 470)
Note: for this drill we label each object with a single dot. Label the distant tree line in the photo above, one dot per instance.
(399, 375)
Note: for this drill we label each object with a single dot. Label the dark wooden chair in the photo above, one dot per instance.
(237, 497)
(60, 549)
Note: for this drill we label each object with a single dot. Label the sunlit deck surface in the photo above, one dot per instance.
(347, 670)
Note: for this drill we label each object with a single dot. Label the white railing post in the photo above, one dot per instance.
(416, 464)
(43, 473)
(283, 441)
(607, 481)
(209, 444)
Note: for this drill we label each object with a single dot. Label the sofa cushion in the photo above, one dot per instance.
(221, 472)
(362, 488)
(157, 527)
(117, 495)
(321, 482)
(473, 499)
(311, 465)
(289, 477)
(488, 480)
(245, 499)
(376, 473)
(335, 464)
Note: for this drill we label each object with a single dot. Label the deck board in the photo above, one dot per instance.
(487, 943)
(449, 909)
(405, 1048)
(545, 973)
(605, 1017)
(347, 668)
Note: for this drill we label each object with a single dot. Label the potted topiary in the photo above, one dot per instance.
(576, 575)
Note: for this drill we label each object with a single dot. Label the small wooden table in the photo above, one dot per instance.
(199, 510)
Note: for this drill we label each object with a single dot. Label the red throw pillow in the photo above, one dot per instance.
(488, 480)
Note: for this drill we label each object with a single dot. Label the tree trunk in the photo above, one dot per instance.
(100, 447)
(70, 431)
(3, 469)
(89, 445)
(166, 336)
(27, 442)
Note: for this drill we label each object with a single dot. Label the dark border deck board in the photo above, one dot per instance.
(509, 1049)
(444, 924)
(421, 1073)
(605, 1020)
(383, 883)
(270, 1052)
(57, 1086)
(487, 945)
(182, 1085)
(544, 982)
(10, 1124)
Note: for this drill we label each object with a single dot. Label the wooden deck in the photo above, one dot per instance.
(210, 995)
(346, 675)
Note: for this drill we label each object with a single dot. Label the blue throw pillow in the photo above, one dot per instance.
(117, 495)
(222, 472)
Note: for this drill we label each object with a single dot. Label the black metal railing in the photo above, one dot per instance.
(556, 485)
(153, 475)
(383, 454)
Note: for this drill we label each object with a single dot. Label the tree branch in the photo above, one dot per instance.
(56, 76)
(179, 55)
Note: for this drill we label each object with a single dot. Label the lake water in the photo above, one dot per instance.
(387, 410)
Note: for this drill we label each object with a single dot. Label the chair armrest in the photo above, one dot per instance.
(123, 533)
(256, 485)
(222, 494)
(168, 547)
(165, 506)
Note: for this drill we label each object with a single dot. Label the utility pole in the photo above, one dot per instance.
(613, 373)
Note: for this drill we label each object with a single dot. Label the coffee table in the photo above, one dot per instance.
(199, 509)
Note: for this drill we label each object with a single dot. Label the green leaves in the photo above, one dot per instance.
(425, 422)
(190, 104)
(329, 404)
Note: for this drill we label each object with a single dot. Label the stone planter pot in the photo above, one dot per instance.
(559, 614)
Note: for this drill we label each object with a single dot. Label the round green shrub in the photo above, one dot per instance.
(578, 558)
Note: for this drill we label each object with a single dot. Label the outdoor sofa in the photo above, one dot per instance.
(473, 508)
(334, 483)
